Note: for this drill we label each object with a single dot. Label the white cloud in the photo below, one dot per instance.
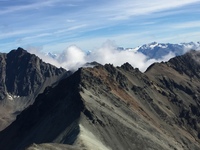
(125, 9)
(38, 52)
(109, 54)
(71, 28)
(165, 58)
(73, 57)
(34, 5)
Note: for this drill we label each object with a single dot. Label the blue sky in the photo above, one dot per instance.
(53, 25)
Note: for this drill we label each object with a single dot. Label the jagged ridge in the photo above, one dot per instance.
(115, 108)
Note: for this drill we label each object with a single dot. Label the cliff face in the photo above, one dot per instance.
(107, 107)
(53, 117)
(23, 73)
(22, 77)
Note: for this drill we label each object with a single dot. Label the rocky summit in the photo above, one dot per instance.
(120, 108)
(22, 77)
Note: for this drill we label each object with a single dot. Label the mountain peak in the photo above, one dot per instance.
(187, 63)
(118, 105)
(153, 43)
(158, 50)
(125, 108)
(19, 50)
(19, 53)
(22, 77)
(126, 66)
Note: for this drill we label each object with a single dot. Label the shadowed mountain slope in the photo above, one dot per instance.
(22, 77)
(107, 107)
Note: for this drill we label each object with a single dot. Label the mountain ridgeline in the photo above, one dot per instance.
(120, 108)
(156, 50)
(22, 77)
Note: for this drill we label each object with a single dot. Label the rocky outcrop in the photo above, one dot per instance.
(107, 107)
(187, 64)
(24, 73)
(22, 77)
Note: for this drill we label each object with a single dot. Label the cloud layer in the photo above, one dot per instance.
(73, 57)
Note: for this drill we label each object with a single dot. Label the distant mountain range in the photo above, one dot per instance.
(101, 107)
(158, 50)
(152, 50)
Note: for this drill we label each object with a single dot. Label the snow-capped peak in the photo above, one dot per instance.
(157, 50)
(54, 56)
(154, 44)
(148, 46)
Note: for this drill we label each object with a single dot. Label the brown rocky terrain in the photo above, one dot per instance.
(107, 107)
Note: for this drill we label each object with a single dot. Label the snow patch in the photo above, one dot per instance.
(15, 96)
(9, 97)
(152, 45)
(51, 55)
(162, 46)
(133, 49)
(12, 97)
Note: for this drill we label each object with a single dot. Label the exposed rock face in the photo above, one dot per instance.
(54, 117)
(22, 77)
(107, 107)
(24, 73)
